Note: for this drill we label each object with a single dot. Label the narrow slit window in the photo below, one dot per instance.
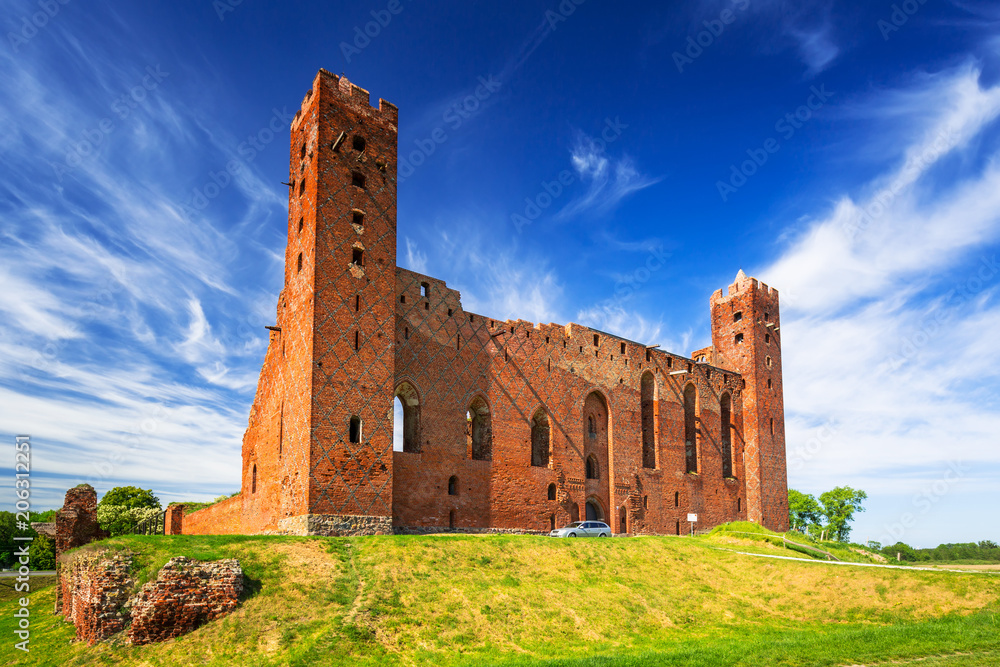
(737, 316)
(253, 482)
(302, 187)
(425, 290)
(597, 340)
(357, 303)
(453, 486)
(355, 429)
(739, 339)
(357, 340)
(302, 153)
(358, 179)
(301, 223)
(359, 143)
(358, 217)
(358, 257)
(299, 263)
(402, 299)
(623, 348)
(552, 491)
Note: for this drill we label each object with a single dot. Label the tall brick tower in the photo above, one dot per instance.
(340, 278)
(746, 332)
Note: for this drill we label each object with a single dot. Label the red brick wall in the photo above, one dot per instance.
(222, 518)
(758, 358)
(351, 334)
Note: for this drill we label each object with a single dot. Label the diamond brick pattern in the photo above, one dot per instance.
(353, 332)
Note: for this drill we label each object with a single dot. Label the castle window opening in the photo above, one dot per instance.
(677, 498)
(767, 317)
(768, 383)
(591, 428)
(480, 430)
(449, 312)
(357, 179)
(772, 425)
(301, 223)
(670, 362)
(358, 217)
(737, 316)
(302, 153)
(406, 333)
(302, 187)
(623, 520)
(406, 438)
(623, 348)
(298, 266)
(453, 486)
(425, 290)
(540, 439)
(359, 143)
(647, 404)
(552, 491)
(645, 502)
(739, 505)
(402, 298)
(739, 338)
(357, 340)
(726, 432)
(451, 519)
(597, 340)
(768, 362)
(358, 257)
(593, 472)
(355, 429)
(678, 527)
(427, 305)
(649, 355)
(767, 339)
(253, 482)
(357, 303)
(690, 428)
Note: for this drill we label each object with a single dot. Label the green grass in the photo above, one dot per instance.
(515, 600)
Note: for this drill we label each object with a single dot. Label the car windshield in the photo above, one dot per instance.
(575, 524)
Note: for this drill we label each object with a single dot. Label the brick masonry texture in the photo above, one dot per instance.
(96, 592)
(185, 595)
(501, 417)
(94, 589)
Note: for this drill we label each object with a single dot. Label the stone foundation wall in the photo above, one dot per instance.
(185, 595)
(335, 525)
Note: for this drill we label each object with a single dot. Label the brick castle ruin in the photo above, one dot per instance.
(507, 425)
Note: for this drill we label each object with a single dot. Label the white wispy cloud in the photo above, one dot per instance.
(889, 303)
(608, 180)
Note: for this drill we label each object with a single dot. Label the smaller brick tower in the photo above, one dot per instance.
(746, 333)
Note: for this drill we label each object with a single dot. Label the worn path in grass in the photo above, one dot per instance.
(474, 600)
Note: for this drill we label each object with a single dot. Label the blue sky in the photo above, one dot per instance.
(137, 275)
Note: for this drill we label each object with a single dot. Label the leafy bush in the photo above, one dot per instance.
(121, 520)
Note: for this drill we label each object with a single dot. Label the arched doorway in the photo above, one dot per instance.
(594, 511)
(623, 520)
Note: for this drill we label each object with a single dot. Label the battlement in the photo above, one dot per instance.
(741, 285)
(353, 94)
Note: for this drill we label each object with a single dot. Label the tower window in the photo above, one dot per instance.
(453, 486)
(623, 348)
(358, 257)
(357, 303)
(357, 340)
(597, 340)
(299, 263)
(402, 298)
(677, 498)
(592, 469)
(425, 290)
(302, 153)
(301, 223)
(768, 362)
(739, 339)
(552, 491)
(302, 187)
(358, 217)
(768, 383)
(359, 143)
(540, 439)
(737, 316)
(767, 339)
(253, 482)
(767, 317)
(355, 429)
(649, 355)
(358, 179)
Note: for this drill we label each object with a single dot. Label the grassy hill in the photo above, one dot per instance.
(482, 600)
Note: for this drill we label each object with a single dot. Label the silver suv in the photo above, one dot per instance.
(583, 529)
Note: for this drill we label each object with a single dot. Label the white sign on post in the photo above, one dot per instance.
(693, 518)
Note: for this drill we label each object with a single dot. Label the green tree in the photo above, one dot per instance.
(121, 508)
(839, 506)
(803, 510)
(130, 496)
(42, 553)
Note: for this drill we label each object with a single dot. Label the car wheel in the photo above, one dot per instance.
(572, 534)
(603, 535)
